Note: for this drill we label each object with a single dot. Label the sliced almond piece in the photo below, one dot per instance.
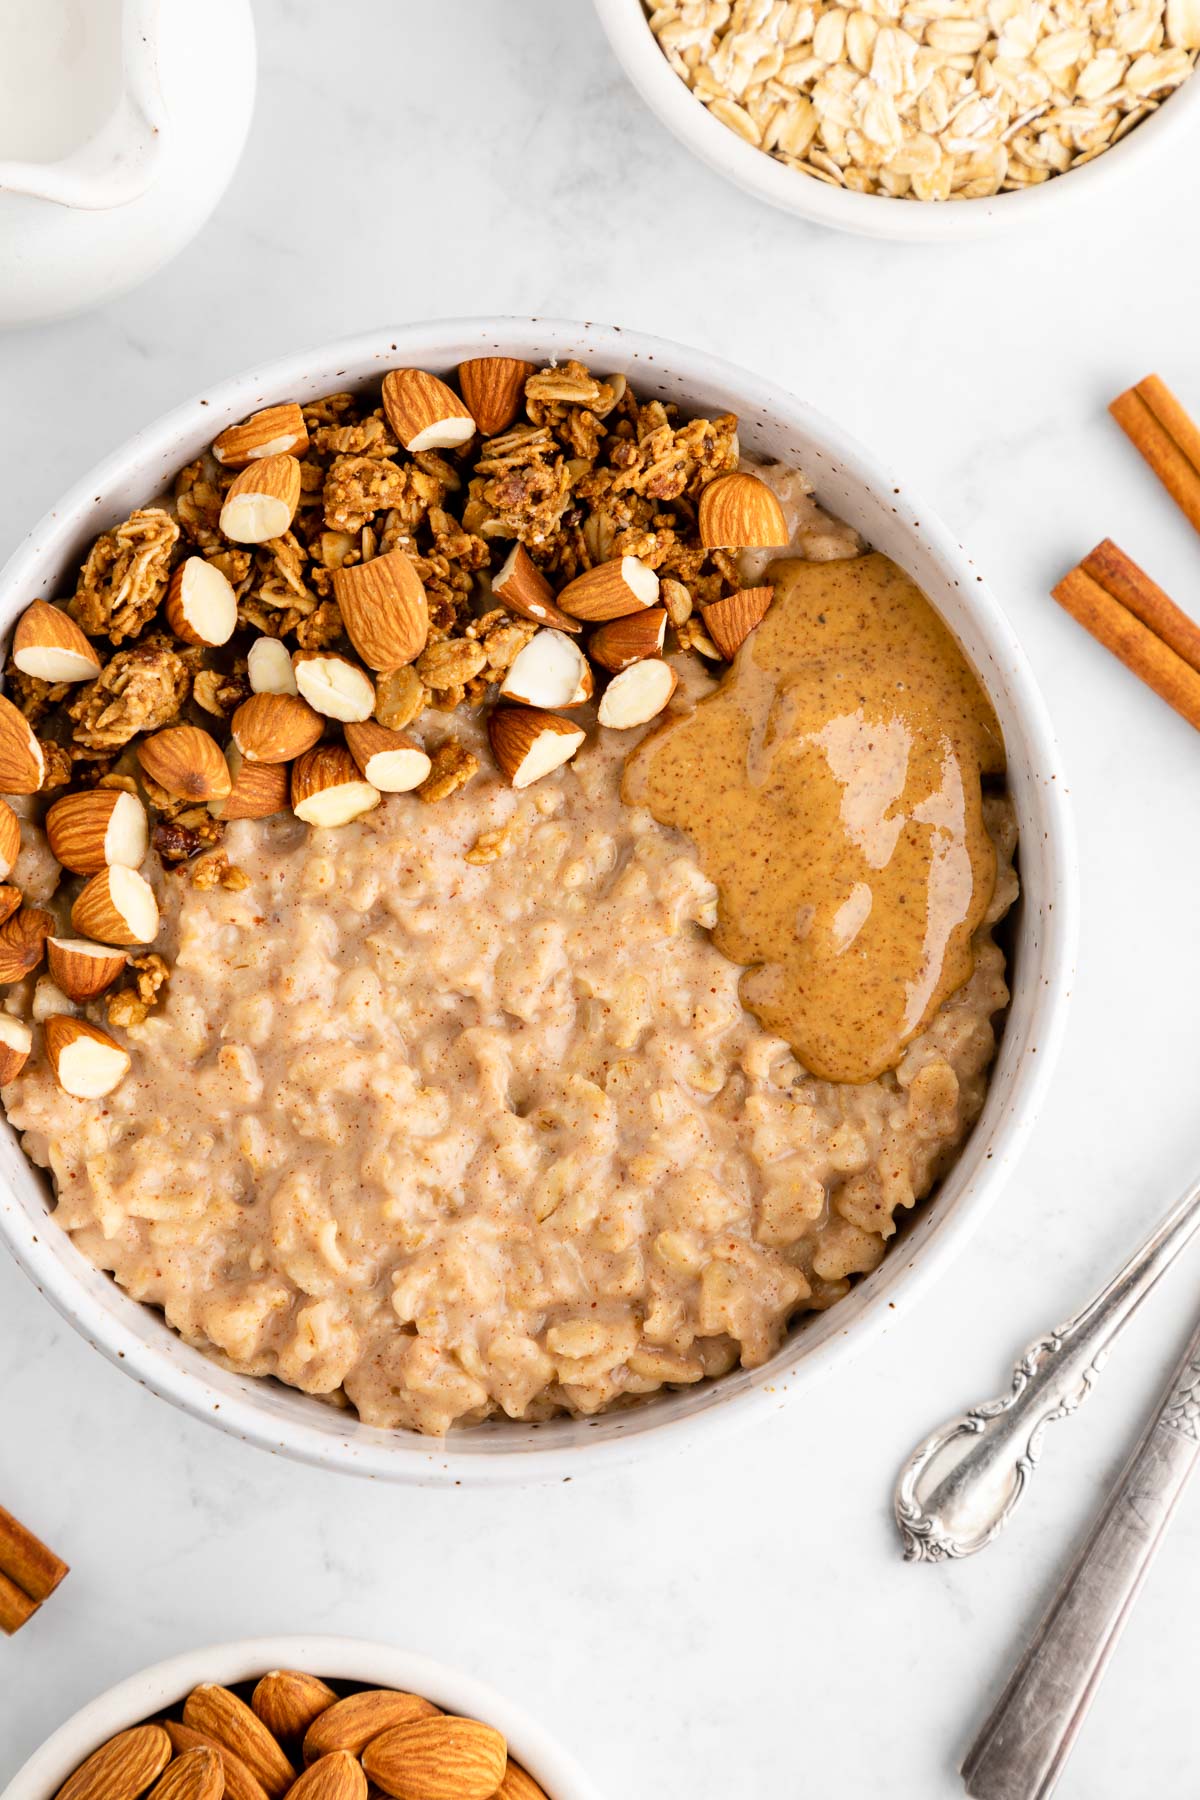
(550, 671)
(201, 606)
(637, 695)
(384, 610)
(494, 390)
(87, 1063)
(423, 412)
(15, 1041)
(287, 1701)
(333, 685)
(23, 943)
(275, 728)
(527, 742)
(259, 789)
(611, 590)
(328, 787)
(621, 642)
(446, 1758)
(522, 588)
(390, 760)
(196, 1775)
(10, 840)
(518, 1785)
(10, 899)
(261, 502)
(337, 1776)
(219, 1714)
(117, 906)
(83, 969)
(354, 1721)
(121, 1769)
(49, 645)
(187, 762)
(22, 764)
(240, 1784)
(275, 431)
(739, 511)
(269, 667)
(730, 620)
(89, 831)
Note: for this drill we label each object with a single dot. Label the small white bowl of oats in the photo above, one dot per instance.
(828, 111)
(388, 1080)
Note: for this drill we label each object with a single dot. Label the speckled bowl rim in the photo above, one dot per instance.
(153, 1689)
(855, 486)
(875, 215)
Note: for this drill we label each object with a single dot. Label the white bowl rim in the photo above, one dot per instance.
(150, 1690)
(871, 215)
(405, 1456)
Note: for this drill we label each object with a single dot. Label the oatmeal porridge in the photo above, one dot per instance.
(389, 1050)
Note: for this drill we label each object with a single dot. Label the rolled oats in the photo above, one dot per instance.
(929, 100)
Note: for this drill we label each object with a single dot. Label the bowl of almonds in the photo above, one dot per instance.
(830, 111)
(312, 1718)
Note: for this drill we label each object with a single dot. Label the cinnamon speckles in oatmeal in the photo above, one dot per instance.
(479, 1125)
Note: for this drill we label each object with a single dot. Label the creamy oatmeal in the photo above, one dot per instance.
(388, 1048)
(453, 1138)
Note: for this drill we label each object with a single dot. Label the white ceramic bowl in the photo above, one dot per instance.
(876, 215)
(335, 1659)
(851, 484)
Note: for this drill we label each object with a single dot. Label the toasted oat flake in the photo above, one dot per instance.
(920, 101)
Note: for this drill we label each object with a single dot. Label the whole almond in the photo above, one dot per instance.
(518, 1785)
(446, 1758)
(117, 906)
(240, 1784)
(610, 590)
(187, 762)
(353, 1722)
(494, 390)
(121, 1769)
(730, 620)
(221, 1715)
(10, 899)
(624, 641)
(337, 1776)
(196, 1775)
(23, 943)
(262, 500)
(287, 1701)
(275, 431)
(22, 764)
(384, 609)
(423, 412)
(87, 1063)
(81, 968)
(10, 839)
(737, 511)
(275, 728)
(259, 789)
(88, 831)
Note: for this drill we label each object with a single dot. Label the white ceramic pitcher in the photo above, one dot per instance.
(121, 123)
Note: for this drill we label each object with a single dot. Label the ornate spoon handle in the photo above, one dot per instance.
(961, 1485)
(1020, 1753)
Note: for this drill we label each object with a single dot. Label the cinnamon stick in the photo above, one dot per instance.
(1121, 577)
(1120, 628)
(1160, 428)
(16, 1607)
(29, 1573)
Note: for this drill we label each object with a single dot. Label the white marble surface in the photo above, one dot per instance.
(743, 1629)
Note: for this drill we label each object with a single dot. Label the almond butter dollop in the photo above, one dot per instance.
(832, 785)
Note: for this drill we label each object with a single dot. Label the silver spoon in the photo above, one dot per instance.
(962, 1484)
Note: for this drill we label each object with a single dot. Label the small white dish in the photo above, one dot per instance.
(851, 484)
(335, 1659)
(876, 215)
(167, 91)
